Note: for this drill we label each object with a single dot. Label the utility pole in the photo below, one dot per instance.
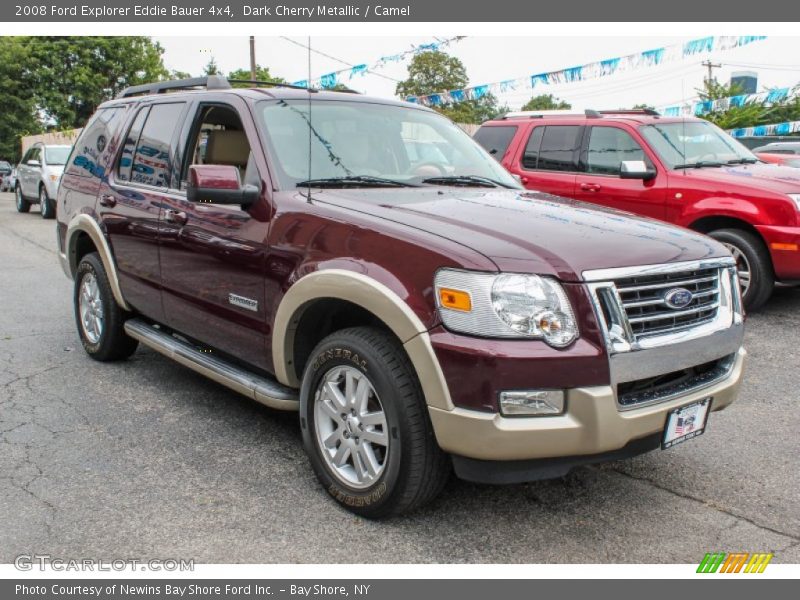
(253, 57)
(710, 66)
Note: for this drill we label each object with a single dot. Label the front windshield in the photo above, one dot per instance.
(695, 143)
(56, 155)
(371, 144)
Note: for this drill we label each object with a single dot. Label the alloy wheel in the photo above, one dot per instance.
(742, 267)
(350, 427)
(90, 307)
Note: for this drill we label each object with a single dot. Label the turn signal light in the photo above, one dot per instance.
(455, 299)
(779, 246)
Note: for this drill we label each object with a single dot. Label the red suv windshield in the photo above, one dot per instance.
(695, 144)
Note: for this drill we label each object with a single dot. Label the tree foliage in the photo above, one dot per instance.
(751, 113)
(57, 82)
(546, 102)
(435, 71)
(262, 74)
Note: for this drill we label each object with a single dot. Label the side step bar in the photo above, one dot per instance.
(261, 389)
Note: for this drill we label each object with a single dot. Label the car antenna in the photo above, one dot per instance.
(310, 123)
(683, 126)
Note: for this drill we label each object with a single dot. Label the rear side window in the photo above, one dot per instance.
(85, 159)
(147, 153)
(608, 147)
(495, 140)
(552, 148)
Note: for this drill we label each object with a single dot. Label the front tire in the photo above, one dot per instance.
(23, 205)
(46, 205)
(99, 318)
(365, 425)
(753, 264)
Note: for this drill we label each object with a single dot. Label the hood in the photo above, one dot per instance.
(531, 232)
(775, 178)
(55, 170)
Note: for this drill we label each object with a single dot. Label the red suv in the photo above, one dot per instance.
(685, 171)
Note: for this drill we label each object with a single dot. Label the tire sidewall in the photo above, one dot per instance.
(44, 203)
(20, 200)
(88, 266)
(759, 279)
(325, 357)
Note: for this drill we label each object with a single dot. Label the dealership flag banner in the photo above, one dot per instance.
(594, 70)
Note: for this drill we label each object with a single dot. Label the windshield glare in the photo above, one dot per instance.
(56, 155)
(359, 139)
(694, 142)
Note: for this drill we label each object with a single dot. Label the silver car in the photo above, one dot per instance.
(38, 176)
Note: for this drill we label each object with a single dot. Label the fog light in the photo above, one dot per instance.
(532, 402)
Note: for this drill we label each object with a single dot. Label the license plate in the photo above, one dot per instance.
(686, 422)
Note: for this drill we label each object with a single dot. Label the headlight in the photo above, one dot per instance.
(796, 198)
(505, 306)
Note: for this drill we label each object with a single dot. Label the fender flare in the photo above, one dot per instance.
(372, 296)
(84, 223)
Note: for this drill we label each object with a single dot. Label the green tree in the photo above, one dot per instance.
(57, 82)
(211, 67)
(262, 74)
(174, 74)
(546, 102)
(69, 76)
(434, 71)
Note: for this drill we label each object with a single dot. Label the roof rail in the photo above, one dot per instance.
(210, 82)
(256, 82)
(632, 111)
(539, 114)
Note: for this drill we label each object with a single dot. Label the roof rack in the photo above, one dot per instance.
(632, 111)
(540, 114)
(209, 82)
(257, 82)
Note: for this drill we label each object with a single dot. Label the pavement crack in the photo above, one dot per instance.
(712, 505)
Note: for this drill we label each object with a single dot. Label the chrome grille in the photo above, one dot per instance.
(647, 311)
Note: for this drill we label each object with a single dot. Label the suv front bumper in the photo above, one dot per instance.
(591, 427)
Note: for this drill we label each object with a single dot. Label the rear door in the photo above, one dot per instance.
(604, 149)
(496, 140)
(132, 197)
(213, 255)
(548, 161)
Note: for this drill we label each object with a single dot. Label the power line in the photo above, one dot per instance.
(339, 60)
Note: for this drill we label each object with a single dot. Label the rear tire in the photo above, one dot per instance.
(390, 462)
(23, 205)
(46, 205)
(753, 264)
(99, 318)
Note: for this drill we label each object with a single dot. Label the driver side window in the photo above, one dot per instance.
(609, 147)
(218, 138)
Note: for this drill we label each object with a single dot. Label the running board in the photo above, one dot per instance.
(261, 389)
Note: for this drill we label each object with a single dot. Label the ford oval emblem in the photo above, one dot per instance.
(678, 298)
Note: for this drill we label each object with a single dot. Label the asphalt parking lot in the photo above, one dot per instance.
(145, 459)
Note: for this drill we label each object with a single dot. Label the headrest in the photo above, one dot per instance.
(227, 148)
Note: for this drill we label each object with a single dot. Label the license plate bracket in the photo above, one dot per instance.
(686, 422)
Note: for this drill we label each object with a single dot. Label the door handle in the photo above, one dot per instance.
(175, 216)
(523, 180)
(108, 201)
(590, 187)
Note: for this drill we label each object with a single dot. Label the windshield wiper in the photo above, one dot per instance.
(354, 180)
(465, 180)
(743, 161)
(699, 164)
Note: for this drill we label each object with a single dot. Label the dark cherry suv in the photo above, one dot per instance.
(684, 171)
(366, 263)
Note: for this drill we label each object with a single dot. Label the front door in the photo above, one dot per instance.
(213, 255)
(600, 182)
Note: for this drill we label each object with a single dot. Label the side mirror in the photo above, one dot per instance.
(33, 163)
(635, 169)
(219, 184)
